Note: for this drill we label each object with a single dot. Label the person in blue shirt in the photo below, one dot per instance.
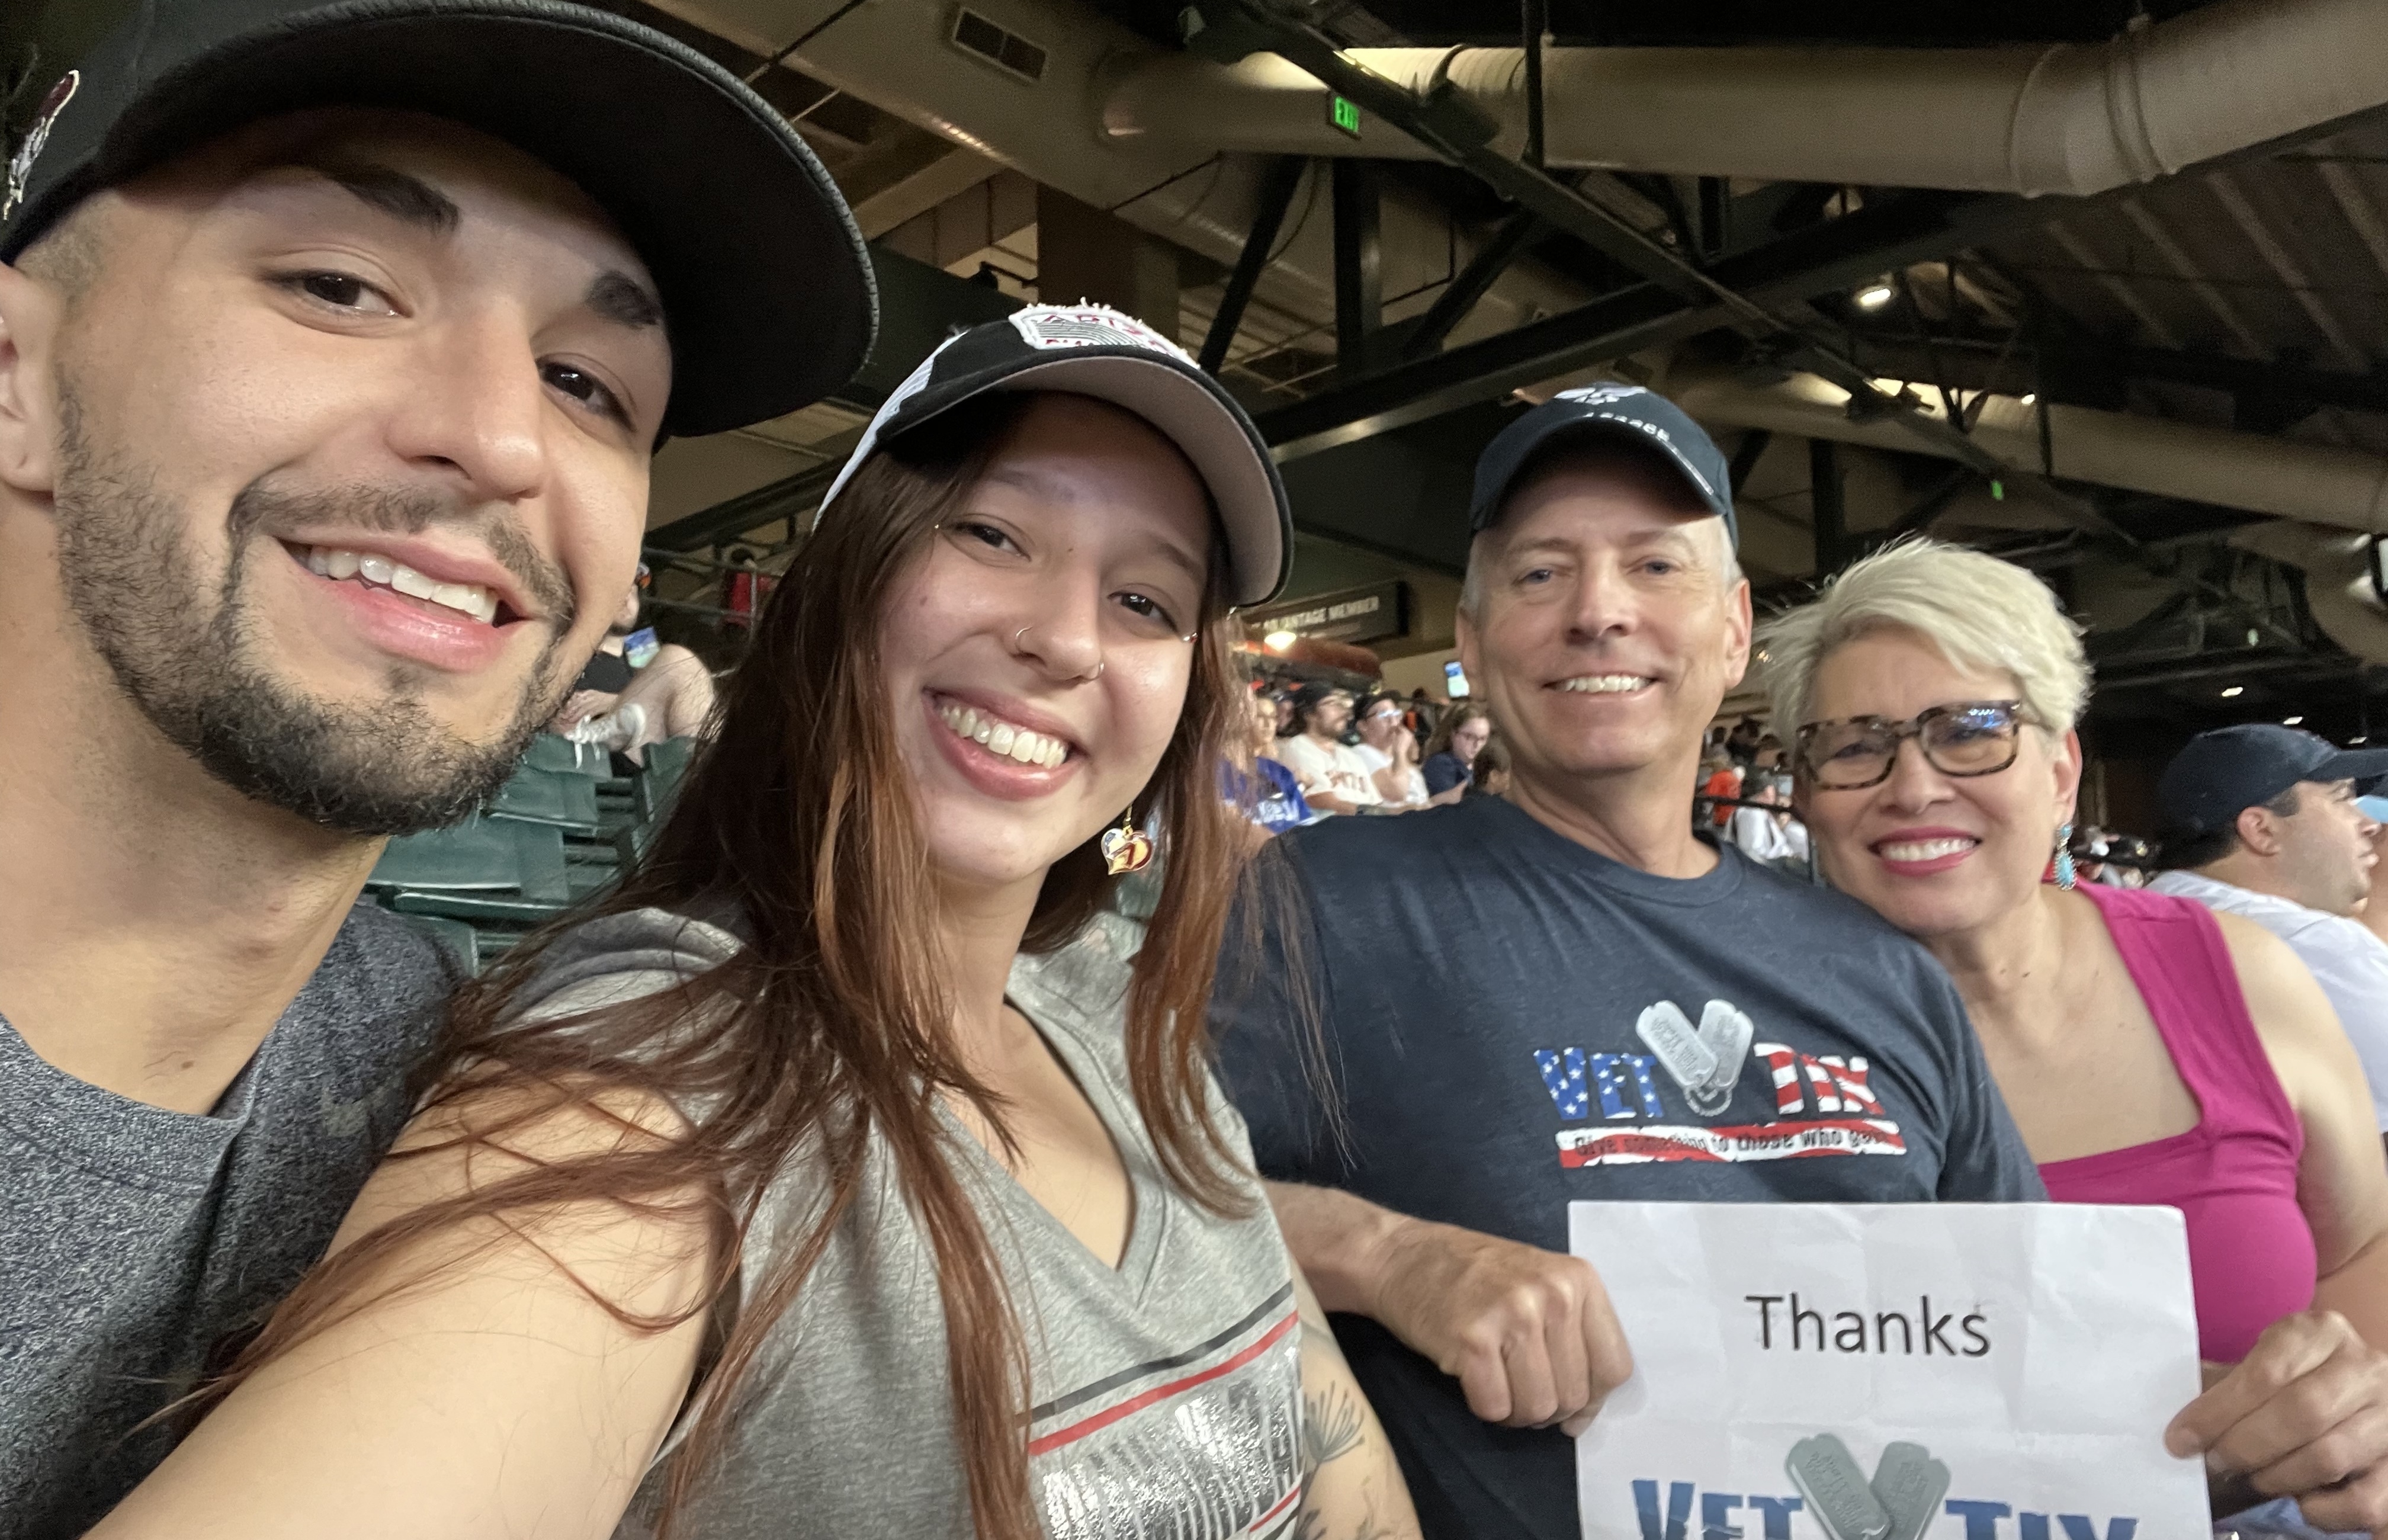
(1268, 793)
(1450, 753)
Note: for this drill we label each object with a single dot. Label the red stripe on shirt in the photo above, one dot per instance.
(1102, 1419)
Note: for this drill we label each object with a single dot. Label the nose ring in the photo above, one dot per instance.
(1023, 632)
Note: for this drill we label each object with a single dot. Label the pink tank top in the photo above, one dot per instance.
(2234, 1176)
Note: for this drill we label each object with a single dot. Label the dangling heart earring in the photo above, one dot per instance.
(1126, 848)
(2064, 876)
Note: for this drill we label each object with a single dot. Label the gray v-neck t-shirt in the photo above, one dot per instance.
(1165, 1392)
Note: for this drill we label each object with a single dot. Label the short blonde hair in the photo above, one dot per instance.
(1982, 614)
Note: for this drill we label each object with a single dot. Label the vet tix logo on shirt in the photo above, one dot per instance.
(1822, 1103)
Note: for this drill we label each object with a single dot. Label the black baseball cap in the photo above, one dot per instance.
(1095, 351)
(1628, 412)
(2219, 774)
(767, 289)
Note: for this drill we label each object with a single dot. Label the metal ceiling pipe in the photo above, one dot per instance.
(2346, 489)
(2338, 582)
(902, 59)
(2066, 119)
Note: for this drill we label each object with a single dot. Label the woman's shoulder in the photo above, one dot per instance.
(626, 956)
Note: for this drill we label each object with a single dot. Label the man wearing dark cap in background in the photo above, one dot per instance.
(1565, 993)
(335, 346)
(1333, 776)
(2261, 820)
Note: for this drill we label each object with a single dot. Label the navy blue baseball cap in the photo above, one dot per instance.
(1627, 412)
(769, 296)
(2220, 774)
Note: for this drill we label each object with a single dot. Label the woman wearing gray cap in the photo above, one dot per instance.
(830, 1178)
(2151, 1053)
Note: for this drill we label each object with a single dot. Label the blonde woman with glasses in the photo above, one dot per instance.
(2151, 1050)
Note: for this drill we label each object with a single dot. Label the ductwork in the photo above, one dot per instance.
(2346, 489)
(899, 56)
(2067, 118)
(2338, 582)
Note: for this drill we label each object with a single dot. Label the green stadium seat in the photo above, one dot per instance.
(550, 751)
(539, 850)
(474, 855)
(507, 906)
(659, 778)
(559, 798)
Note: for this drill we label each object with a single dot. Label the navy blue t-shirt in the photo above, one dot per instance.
(1511, 1022)
(1443, 771)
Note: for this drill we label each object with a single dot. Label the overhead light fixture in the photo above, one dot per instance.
(2359, 738)
(1277, 641)
(2234, 690)
(2292, 722)
(2031, 398)
(1874, 298)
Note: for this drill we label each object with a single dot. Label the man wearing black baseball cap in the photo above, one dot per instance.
(1566, 992)
(336, 341)
(2262, 820)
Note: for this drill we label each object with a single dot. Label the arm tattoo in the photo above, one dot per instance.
(1311, 1525)
(1331, 1428)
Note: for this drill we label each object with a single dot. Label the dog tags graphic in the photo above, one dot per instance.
(1669, 1032)
(1726, 1033)
(1837, 1490)
(1909, 1484)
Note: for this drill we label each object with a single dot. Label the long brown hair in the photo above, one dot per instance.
(1459, 715)
(833, 1022)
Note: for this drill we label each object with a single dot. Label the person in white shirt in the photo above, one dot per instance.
(2262, 821)
(1769, 832)
(1390, 751)
(1334, 778)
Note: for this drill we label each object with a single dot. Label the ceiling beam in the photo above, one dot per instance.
(1895, 230)
(1971, 363)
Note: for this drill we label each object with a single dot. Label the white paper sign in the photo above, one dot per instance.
(1895, 1371)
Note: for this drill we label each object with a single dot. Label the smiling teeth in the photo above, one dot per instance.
(1926, 849)
(999, 736)
(340, 566)
(1605, 684)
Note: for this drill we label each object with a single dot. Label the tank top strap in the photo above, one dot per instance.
(2177, 957)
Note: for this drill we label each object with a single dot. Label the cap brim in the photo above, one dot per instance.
(1191, 413)
(767, 288)
(2366, 766)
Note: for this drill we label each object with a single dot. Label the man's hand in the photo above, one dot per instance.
(2304, 1415)
(1528, 1333)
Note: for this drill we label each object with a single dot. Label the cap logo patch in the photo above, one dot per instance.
(21, 165)
(1046, 327)
(1602, 394)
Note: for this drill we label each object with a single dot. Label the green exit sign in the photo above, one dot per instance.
(1344, 114)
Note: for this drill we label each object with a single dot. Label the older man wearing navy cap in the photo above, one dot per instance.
(2264, 822)
(1568, 992)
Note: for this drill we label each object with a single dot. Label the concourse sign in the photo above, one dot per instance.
(1895, 1371)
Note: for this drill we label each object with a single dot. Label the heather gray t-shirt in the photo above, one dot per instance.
(1166, 1393)
(134, 1240)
